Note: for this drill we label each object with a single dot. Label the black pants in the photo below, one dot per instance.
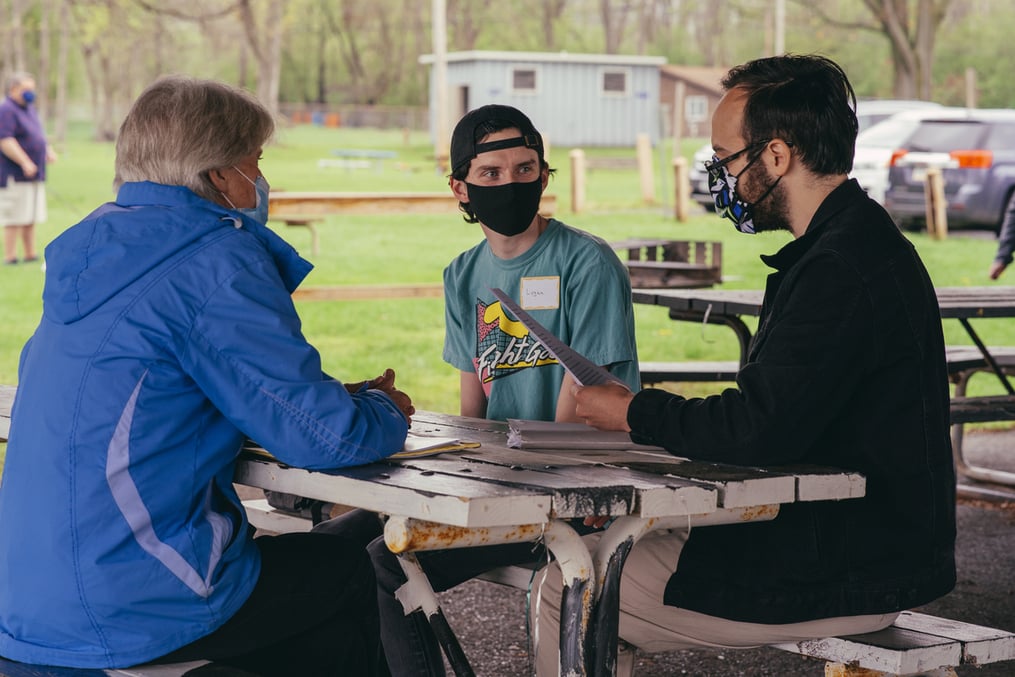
(312, 613)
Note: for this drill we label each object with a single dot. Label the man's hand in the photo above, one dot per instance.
(996, 268)
(603, 407)
(386, 384)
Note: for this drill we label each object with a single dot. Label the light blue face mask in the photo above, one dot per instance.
(259, 212)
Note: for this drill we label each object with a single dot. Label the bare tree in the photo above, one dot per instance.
(15, 36)
(62, 55)
(911, 29)
(552, 11)
(42, 71)
(614, 20)
(265, 42)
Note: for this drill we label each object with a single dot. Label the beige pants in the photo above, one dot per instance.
(649, 625)
(22, 203)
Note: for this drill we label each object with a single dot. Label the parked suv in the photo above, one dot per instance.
(876, 145)
(869, 112)
(975, 150)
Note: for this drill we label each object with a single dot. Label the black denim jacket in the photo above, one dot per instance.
(847, 369)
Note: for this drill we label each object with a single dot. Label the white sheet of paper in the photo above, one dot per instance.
(582, 370)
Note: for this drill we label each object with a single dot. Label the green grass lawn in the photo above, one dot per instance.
(358, 339)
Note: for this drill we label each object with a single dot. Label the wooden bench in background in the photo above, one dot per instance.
(693, 371)
(6, 401)
(659, 263)
(306, 209)
(963, 363)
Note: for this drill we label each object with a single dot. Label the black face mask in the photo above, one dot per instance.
(507, 209)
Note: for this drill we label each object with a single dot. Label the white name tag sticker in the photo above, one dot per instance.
(540, 293)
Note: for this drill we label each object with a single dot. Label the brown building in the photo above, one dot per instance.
(701, 92)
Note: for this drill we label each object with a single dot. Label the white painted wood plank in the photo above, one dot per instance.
(893, 650)
(819, 484)
(264, 516)
(168, 670)
(584, 489)
(6, 402)
(981, 644)
(737, 486)
(403, 491)
(573, 496)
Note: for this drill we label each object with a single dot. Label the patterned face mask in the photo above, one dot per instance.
(723, 186)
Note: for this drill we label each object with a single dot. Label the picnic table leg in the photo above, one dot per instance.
(404, 534)
(576, 596)
(608, 561)
(734, 322)
(994, 366)
(417, 596)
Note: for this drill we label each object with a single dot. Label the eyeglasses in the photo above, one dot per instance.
(716, 164)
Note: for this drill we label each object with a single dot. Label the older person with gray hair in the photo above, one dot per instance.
(168, 337)
(23, 157)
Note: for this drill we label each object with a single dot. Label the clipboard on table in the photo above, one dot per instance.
(584, 371)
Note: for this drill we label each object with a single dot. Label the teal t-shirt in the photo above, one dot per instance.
(573, 284)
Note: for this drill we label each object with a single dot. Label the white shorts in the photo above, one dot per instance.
(22, 203)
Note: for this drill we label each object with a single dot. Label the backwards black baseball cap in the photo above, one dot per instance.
(463, 139)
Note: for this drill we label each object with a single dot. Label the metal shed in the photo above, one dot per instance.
(573, 99)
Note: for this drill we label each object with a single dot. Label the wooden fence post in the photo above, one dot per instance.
(577, 180)
(937, 215)
(682, 188)
(648, 182)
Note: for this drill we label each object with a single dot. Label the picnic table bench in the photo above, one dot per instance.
(661, 263)
(357, 158)
(305, 209)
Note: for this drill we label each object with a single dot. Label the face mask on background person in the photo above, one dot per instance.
(28, 96)
(507, 209)
(259, 212)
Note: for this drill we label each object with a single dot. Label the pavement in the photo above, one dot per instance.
(489, 619)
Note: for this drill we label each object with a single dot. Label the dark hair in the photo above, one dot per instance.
(481, 131)
(806, 100)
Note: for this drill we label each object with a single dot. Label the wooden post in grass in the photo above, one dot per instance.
(648, 182)
(934, 192)
(682, 188)
(577, 180)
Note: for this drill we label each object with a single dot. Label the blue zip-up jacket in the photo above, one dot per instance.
(168, 335)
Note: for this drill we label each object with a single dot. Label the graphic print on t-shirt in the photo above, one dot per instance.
(504, 346)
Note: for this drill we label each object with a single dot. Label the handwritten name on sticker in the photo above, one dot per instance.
(540, 293)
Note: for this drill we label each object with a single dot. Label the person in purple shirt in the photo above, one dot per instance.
(24, 153)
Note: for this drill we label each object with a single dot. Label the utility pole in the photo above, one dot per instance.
(440, 73)
(780, 27)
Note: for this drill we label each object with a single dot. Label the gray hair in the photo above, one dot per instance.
(181, 128)
(16, 78)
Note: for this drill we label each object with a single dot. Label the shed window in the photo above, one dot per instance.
(696, 108)
(523, 79)
(615, 82)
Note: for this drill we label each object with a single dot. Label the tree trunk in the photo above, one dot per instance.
(911, 35)
(63, 50)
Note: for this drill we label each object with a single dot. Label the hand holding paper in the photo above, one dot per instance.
(604, 407)
(582, 370)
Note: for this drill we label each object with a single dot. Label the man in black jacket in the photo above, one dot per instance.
(847, 369)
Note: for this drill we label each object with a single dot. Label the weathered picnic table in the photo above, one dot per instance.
(730, 306)
(496, 494)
